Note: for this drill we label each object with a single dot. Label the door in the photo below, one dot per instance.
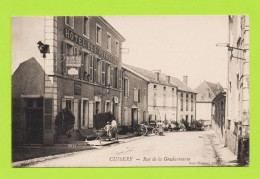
(34, 121)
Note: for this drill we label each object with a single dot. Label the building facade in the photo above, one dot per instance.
(237, 101)
(207, 91)
(218, 115)
(134, 98)
(164, 96)
(82, 71)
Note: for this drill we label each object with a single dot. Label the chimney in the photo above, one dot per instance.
(157, 72)
(168, 79)
(185, 80)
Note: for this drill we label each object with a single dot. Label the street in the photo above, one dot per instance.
(172, 149)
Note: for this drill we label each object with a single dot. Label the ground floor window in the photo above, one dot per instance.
(68, 104)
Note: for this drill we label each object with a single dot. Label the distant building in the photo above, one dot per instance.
(218, 115)
(134, 97)
(163, 94)
(237, 105)
(82, 73)
(207, 91)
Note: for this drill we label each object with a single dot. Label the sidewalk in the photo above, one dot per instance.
(224, 156)
(29, 154)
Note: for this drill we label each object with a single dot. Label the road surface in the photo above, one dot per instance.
(172, 149)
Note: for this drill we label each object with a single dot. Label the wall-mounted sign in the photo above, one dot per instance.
(77, 89)
(90, 46)
(73, 71)
(73, 61)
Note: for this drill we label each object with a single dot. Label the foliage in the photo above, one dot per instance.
(124, 129)
(197, 125)
(101, 119)
(64, 122)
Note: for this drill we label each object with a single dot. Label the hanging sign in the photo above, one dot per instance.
(73, 71)
(73, 61)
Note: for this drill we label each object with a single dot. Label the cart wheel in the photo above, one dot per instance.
(155, 131)
(143, 130)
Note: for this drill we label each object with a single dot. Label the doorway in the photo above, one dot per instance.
(33, 120)
(134, 116)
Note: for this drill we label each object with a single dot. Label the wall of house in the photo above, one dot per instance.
(162, 102)
(203, 112)
(183, 113)
(237, 116)
(129, 102)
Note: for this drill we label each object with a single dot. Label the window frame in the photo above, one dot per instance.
(97, 40)
(126, 92)
(71, 26)
(83, 26)
(109, 49)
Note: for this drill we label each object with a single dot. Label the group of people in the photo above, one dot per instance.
(111, 127)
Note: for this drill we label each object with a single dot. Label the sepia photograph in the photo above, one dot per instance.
(130, 91)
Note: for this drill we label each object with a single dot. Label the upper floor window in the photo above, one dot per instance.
(117, 48)
(98, 34)
(86, 26)
(172, 89)
(164, 88)
(126, 87)
(154, 86)
(69, 21)
(108, 42)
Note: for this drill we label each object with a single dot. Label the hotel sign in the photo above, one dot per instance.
(73, 61)
(90, 46)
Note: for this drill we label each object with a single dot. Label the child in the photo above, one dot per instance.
(108, 130)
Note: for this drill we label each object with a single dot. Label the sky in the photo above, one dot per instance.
(177, 45)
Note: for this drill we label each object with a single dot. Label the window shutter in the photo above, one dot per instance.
(139, 95)
(64, 53)
(95, 70)
(81, 114)
(81, 69)
(75, 111)
(120, 79)
(91, 108)
(111, 76)
(135, 95)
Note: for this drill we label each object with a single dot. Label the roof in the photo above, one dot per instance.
(215, 88)
(175, 82)
(220, 95)
(207, 91)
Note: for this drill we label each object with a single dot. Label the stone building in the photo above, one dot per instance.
(218, 115)
(207, 91)
(164, 93)
(82, 73)
(134, 97)
(237, 100)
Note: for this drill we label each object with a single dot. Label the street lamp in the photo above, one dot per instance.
(44, 48)
(231, 49)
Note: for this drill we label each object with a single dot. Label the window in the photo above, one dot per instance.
(172, 89)
(158, 76)
(108, 42)
(86, 65)
(191, 102)
(108, 69)
(98, 110)
(90, 68)
(98, 71)
(117, 48)
(98, 34)
(181, 101)
(69, 21)
(69, 51)
(115, 77)
(139, 95)
(68, 103)
(164, 88)
(187, 103)
(103, 75)
(107, 106)
(230, 86)
(126, 87)
(86, 26)
(136, 91)
(154, 86)
(169, 79)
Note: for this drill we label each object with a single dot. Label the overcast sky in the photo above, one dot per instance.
(177, 45)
